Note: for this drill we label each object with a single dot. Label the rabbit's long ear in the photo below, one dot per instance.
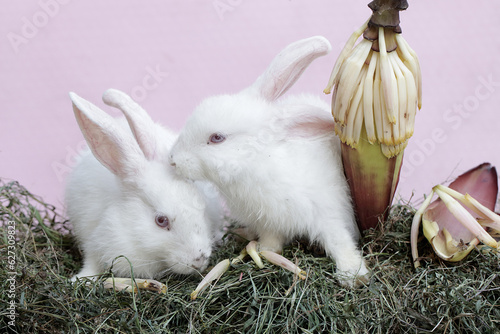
(140, 122)
(110, 143)
(288, 66)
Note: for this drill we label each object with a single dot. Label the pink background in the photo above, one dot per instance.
(198, 48)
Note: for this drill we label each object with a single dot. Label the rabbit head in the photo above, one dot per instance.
(226, 131)
(135, 206)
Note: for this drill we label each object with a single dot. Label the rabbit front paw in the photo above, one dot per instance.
(354, 275)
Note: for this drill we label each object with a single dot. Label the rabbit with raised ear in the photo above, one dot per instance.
(277, 161)
(125, 201)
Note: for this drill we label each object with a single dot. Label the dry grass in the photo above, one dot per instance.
(439, 297)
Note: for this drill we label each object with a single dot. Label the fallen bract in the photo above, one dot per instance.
(132, 285)
(251, 249)
(462, 216)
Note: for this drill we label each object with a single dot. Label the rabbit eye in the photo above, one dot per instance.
(217, 138)
(163, 222)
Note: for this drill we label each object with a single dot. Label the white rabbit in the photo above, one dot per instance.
(277, 162)
(123, 198)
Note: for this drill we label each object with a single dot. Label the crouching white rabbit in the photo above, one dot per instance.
(277, 161)
(126, 203)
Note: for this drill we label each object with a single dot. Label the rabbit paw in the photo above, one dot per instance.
(354, 276)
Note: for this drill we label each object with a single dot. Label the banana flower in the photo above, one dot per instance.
(377, 88)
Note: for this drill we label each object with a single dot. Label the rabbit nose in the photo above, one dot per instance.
(200, 262)
(172, 163)
(201, 258)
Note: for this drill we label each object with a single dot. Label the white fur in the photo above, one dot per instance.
(279, 168)
(112, 201)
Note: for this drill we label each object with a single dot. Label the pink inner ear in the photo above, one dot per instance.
(305, 126)
(287, 67)
(108, 143)
(105, 153)
(280, 82)
(140, 122)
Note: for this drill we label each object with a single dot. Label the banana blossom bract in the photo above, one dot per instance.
(462, 216)
(250, 249)
(132, 285)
